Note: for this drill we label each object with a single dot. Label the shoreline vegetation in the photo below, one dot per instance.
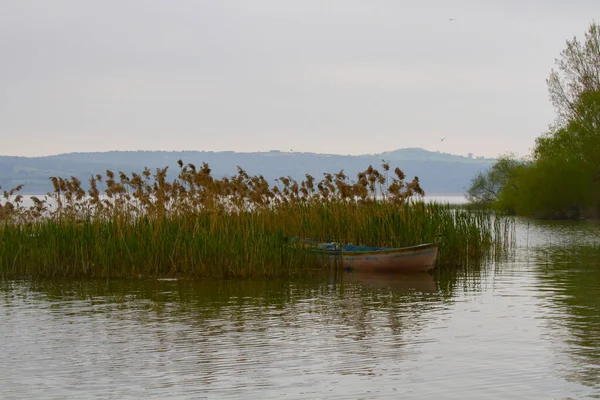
(561, 177)
(142, 225)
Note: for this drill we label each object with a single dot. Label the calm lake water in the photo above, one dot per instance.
(524, 328)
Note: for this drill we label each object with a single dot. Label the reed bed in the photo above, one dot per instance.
(142, 225)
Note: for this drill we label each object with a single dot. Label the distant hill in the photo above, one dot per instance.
(439, 173)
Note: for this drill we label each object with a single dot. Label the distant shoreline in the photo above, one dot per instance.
(439, 174)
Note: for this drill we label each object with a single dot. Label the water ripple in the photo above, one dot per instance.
(522, 329)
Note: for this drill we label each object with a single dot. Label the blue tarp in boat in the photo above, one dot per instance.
(336, 247)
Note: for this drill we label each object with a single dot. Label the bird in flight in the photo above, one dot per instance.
(442, 139)
(452, 19)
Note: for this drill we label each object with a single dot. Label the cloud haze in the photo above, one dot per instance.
(346, 76)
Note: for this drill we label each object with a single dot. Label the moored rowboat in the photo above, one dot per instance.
(420, 258)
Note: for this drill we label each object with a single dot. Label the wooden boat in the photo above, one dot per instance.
(420, 258)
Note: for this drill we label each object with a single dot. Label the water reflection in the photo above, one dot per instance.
(526, 328)
(537, 234)
(215, 338)
(570, 283)
(416, 282)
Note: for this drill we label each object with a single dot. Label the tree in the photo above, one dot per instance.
(563, 180)
(578, 73)
(486, 186)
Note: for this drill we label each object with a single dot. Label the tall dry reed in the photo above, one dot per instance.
(142, 225)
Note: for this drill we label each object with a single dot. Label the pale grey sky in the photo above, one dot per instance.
(345, 76)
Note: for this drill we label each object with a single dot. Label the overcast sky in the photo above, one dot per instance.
(344, 77)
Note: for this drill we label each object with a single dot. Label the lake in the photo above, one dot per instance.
(524, 328)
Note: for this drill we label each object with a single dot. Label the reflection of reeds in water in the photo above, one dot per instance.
(197, 225)
(569, 277)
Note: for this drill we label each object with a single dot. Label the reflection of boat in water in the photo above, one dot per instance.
(420, 258)
(424, 283)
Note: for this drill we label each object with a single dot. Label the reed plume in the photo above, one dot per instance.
(196, 225)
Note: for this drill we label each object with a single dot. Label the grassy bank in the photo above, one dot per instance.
(199, 226)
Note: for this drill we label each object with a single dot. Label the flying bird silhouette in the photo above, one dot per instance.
(452, 19)
(442, 139)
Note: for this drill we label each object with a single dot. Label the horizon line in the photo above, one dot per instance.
(276, 151)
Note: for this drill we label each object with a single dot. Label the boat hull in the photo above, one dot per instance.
(421, 258)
